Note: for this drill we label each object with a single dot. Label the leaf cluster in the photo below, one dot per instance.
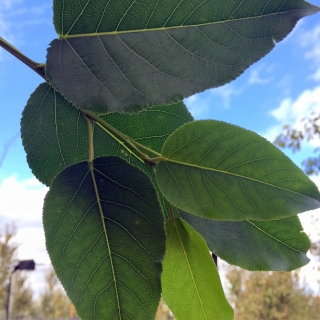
(136, 201)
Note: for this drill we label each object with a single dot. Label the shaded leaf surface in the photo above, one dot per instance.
(279, 245)
(131, 54)
(224, 172)
(54, 133)
(190, 280)
(106, 243)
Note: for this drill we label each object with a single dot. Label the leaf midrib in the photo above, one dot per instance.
(116, 32)
(272, 237)
(175, 226)
(92, 170)
(236, 175)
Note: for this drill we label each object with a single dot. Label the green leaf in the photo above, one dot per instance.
(190, 280)
(105, 236)
(54, 133)
(123, 55)
(279, 245)
(221, 171)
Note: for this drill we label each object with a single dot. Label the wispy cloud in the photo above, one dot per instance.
(311, 41)
(15, 16)
(6, 146)
(292, 111)
(225, 94)
(261, 74)
(201, 104)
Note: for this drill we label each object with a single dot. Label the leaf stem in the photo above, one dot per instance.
(132, 144)
(35, 66)
(119, 141)
(90, 142)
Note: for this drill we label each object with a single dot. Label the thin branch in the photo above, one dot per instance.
(35, 66)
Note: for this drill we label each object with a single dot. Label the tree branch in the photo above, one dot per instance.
(35, 66)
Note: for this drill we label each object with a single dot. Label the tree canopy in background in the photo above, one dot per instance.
(292, 138)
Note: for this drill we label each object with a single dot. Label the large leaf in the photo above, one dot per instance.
(55, 134)
(190, 280)
(121, 55)
(221, 171)
(255, 245)
(105, 237)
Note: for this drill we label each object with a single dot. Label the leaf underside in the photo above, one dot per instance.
(54, 134)
(105, 237)
(279, 245)
(131, 54)
(190, 280)
(221, 171)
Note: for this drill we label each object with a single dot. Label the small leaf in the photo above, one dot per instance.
(54, 133)
(279, 245)
(190, 280)
(118, 55)
(224, 172)
(105, 236)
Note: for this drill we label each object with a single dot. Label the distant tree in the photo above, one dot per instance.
(270, 296)
(8, 256)
(23, 304)
(54, 302)
(292, 138)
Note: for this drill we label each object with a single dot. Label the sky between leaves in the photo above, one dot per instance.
(279, 89)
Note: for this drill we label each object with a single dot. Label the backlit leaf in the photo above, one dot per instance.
(221, 171)
(117, 55)
(279, 245)
(105, 236)
(190, 280)
(55, 134)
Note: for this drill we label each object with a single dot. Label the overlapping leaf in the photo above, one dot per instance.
(224, 172)
(55, 134)
(105, 237)
(190, 280)
(122, 55)
(255, 245)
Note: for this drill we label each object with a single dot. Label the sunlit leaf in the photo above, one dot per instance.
(255, 245)
(221, 171)
(190, 280)
(105, 236)
(122, 55)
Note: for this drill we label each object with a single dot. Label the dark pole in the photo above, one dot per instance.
(22, 265)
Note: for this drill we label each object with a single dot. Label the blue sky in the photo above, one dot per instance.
(279, 89)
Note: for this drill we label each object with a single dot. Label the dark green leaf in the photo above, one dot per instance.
(105, 237)
(221, 171)
(122, 55)
(190, 280)
(54, 133)
(255, 245)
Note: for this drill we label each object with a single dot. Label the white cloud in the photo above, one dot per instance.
(200, 104)
(261, 74)
(225, 93)
(197, 106)
(311, 40)
(292, 111)
(22, 203)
